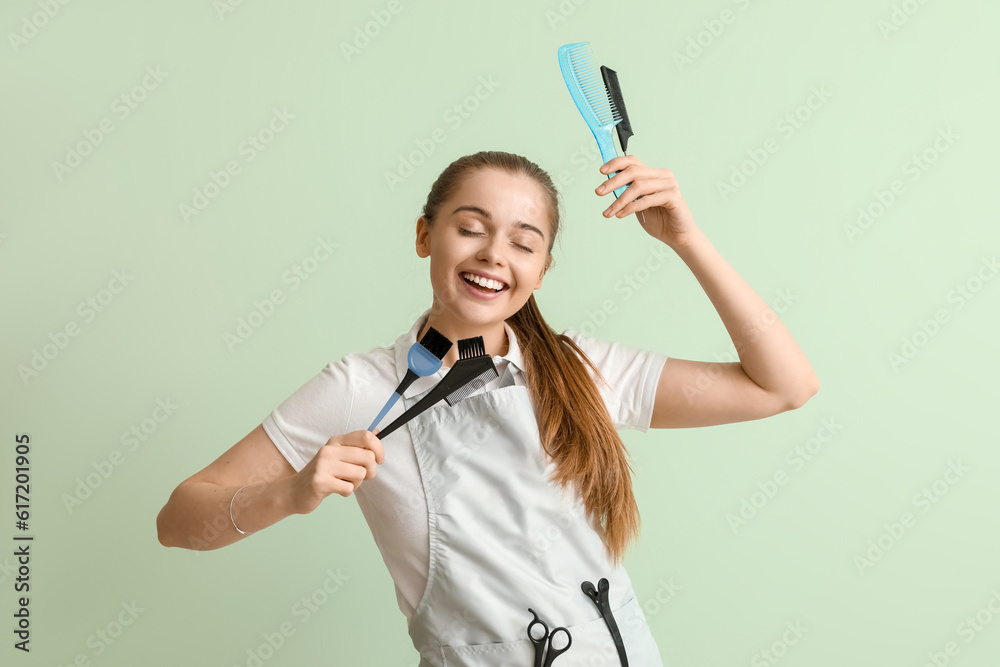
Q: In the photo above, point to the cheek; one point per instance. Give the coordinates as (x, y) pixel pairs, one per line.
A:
(527, 276)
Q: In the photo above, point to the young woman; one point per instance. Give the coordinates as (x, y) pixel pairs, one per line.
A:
(503, 508)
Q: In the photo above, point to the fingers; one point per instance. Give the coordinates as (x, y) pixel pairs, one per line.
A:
(619, 163)
(652, 179)
(358, 458)
(629, 168)
(365, 440)
(648, 201)
(341, 469)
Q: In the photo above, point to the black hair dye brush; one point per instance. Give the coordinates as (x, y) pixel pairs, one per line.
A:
(471, 372)
(623, 128)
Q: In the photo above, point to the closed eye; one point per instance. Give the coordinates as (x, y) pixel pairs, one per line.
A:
(469, 232)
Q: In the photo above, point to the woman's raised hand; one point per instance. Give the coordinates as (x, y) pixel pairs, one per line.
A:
(653, 196)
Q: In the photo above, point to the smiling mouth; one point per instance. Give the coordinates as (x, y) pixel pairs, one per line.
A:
(484, 284)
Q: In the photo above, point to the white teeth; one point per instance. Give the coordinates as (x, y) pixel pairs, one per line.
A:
(485, 282)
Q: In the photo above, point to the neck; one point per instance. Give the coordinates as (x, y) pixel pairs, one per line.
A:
(494, 336)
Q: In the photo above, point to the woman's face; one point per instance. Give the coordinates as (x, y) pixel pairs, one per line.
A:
(497, 226)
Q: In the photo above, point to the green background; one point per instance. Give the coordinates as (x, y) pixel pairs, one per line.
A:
(712, 595)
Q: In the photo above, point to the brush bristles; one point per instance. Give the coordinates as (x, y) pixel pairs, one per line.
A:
(615, 94)
(436, 343)
(592, 84)
(471, 347)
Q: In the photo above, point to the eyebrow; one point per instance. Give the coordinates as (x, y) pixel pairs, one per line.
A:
(517, 223)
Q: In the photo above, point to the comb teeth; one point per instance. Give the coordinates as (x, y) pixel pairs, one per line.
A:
(472, 386)
(588, 77)
(471, 347)
(436, 343)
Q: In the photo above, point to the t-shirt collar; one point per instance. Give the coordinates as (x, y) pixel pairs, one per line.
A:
(421, 385)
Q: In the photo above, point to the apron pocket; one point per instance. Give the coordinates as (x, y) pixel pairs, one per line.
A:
(508, 654)
(592, 645)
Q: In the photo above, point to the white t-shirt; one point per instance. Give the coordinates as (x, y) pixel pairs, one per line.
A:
(347, 395)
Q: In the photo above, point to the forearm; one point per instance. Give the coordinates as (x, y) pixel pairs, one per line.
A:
(197, 514)
(768, 353)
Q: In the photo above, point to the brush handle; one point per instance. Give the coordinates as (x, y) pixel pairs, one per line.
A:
(388, 404)
(606, 142)
(427, 401)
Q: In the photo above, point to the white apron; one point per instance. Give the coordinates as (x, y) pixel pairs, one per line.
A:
(503, 538)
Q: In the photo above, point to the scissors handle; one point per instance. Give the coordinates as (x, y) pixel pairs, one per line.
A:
(539, 642)
(553, 651)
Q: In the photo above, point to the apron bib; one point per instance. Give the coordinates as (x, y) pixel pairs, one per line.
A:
(504, 538)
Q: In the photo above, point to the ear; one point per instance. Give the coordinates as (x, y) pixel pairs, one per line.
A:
(541, 276)
(423, 242)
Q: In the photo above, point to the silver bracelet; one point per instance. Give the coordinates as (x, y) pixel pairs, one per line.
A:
(231, 510)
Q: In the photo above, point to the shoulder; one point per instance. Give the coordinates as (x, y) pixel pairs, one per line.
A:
(341, 379)
(363, 368)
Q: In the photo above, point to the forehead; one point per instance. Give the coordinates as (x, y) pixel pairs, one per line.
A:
(506, 197)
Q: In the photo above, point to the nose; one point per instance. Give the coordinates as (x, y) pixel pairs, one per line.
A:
(491, 250)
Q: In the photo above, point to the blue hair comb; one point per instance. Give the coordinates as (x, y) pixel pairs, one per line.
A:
(597, 95)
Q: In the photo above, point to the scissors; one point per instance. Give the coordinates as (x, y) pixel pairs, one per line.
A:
(546, 639)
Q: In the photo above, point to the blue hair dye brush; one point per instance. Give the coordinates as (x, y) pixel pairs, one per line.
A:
(598, 96)
(423, 359)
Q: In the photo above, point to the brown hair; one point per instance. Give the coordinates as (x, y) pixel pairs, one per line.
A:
(574, 424)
